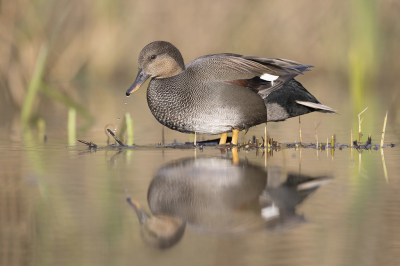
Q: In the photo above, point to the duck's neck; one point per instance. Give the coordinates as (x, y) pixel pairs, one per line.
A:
(176, 70)
(172, 68)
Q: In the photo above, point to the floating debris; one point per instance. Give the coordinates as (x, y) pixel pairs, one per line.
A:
(90, 144)
(115, 137)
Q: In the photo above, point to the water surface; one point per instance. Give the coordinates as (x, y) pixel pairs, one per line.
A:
(66, 205)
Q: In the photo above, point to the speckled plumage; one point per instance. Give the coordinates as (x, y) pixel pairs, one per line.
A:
(214, 94)
(189, 105)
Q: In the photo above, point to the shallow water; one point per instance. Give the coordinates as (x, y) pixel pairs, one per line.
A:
(66, 205)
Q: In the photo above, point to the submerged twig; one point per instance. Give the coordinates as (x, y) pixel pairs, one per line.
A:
(357, 144)
(115, 137)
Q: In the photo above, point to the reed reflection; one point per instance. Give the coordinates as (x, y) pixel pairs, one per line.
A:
(217, 196)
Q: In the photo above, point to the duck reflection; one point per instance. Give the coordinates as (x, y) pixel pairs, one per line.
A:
(218, 196)
(280, 199)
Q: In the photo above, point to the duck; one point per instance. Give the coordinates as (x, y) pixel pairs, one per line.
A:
(221, 93)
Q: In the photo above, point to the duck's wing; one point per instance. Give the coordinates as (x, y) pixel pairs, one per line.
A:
(261, 75)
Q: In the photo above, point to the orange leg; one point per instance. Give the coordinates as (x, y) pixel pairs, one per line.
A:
(223, 138)
(235, 136)
(235, 156)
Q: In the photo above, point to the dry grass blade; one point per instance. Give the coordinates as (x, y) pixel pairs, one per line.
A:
(359, 125)
(383, 130)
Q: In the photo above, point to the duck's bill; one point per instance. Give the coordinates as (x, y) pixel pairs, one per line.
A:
(141, 214)
(140, 79)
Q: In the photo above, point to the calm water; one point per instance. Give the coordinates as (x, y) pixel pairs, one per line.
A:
(66, 205)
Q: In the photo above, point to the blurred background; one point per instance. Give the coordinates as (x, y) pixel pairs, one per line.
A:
(80, 56)
(65, 66)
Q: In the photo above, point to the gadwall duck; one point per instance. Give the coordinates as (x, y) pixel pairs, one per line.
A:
(220, 93)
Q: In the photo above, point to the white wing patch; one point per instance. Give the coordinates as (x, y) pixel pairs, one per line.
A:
(269, 212)
(312, 184)
(316, 106)
(268, 77)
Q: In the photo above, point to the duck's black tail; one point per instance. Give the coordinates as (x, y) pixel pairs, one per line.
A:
(291, 100)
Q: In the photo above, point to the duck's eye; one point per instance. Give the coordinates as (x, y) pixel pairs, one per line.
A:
(153, 56)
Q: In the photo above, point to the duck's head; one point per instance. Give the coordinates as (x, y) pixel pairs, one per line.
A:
(157, 60)
(159, 231)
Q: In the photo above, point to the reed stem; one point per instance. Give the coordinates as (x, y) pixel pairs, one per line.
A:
(34, 85)
(71, 126)
(129, 128)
